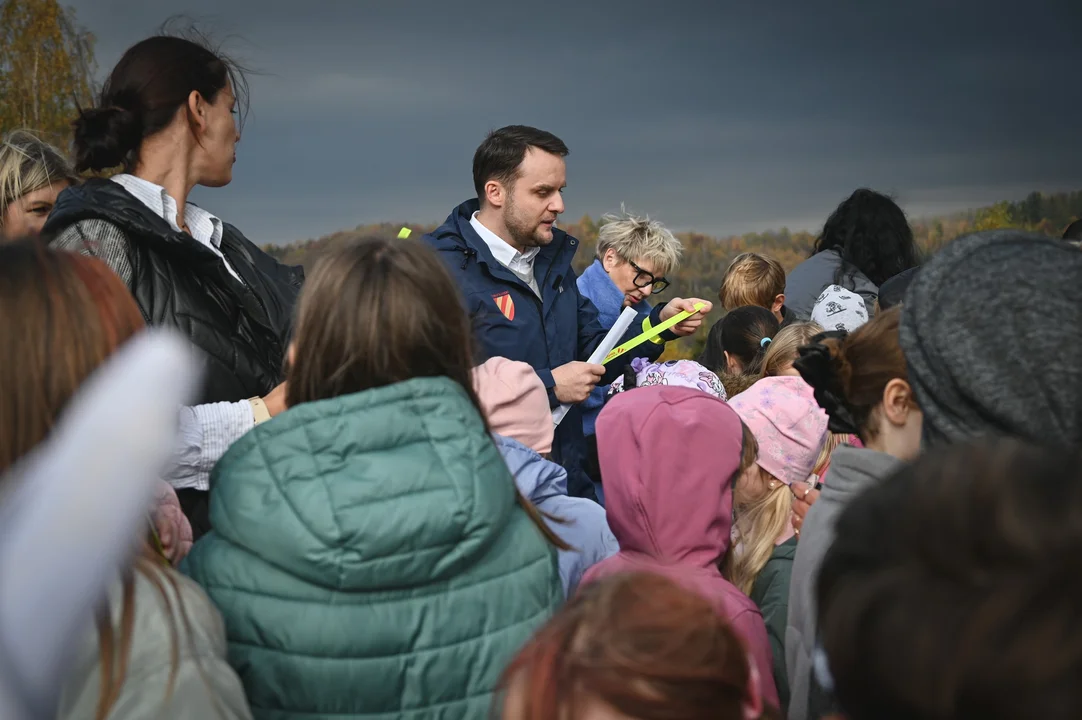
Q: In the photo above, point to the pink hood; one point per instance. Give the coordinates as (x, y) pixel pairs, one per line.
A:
(668, 455)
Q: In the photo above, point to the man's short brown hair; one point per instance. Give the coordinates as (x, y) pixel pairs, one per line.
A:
(752, 279)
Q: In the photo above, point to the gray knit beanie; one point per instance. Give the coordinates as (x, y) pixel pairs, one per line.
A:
(992, 334)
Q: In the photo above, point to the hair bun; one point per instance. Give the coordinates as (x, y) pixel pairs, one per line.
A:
(104, 137)
(819, 365)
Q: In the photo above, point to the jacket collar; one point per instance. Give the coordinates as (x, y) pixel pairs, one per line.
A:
(552, 262)
(596, 284)
(852, 470)
(102, 199)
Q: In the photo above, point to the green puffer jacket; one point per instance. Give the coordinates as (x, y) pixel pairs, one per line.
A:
(370, 560)
(771, 593)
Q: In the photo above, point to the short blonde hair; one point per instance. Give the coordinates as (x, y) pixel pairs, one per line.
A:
(28, 164)
(639, 238)
(784, 348)
(752, 279)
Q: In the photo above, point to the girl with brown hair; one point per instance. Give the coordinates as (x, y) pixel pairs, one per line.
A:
(862, 382)
(159, 650)
(370, 552)
(633, 646)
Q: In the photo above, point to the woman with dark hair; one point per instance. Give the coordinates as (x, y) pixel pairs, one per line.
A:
(865, 241)
(634, 645)
(370, 552)
(158, 648)
(167, 116)
(951, 589)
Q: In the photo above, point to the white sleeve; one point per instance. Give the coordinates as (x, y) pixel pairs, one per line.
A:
(205, 433)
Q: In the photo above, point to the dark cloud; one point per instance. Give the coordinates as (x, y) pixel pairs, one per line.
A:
(717, 116)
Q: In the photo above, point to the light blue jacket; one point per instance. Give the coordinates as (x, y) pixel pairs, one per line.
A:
(595, 284)
(585, 529)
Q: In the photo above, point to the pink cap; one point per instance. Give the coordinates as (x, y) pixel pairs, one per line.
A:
(515, 402)
(788, 424)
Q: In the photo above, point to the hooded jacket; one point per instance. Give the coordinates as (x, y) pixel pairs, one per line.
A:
(771, 594)
(370, 558)
(579, 522)
(204, 685)
(668, 455)
(808, 280)
(242, 329)
(510, 321)
(852, 470)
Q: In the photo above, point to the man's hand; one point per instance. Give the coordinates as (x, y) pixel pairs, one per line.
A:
(575, 380)
(275, 400)
(679, 305)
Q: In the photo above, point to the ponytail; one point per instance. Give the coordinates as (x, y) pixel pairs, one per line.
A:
(142, 95)
(850, 373)
(744, 333)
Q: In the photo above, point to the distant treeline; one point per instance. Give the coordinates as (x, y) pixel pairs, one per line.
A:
(706, 258)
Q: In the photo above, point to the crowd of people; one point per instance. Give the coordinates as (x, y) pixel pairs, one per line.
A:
(402, 487)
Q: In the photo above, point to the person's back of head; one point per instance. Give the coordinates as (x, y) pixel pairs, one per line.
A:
(29, 166)
(635, 645)
(374, 313)
(152, 82)
(738, 342)
(515, 402)
(862, 383)
(949, 592)
(753, 279)
(378, 312)
(1073, 231)
(871, 234)
(64, 314)
(683, 519)
(673, 373)
(785, 348)
(837, 308)
(991, 327)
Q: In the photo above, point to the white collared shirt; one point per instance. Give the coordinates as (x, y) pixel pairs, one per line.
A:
(205, 431)
(204, 227)
(521, 264)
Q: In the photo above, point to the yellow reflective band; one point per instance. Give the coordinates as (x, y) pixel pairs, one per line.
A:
(651, 334)
(404, 233)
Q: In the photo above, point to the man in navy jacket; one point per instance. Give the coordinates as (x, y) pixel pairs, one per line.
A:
(514, 269)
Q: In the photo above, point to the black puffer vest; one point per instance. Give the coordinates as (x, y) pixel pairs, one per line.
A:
(242, 329)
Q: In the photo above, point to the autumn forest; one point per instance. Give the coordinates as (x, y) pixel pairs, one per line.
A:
(706, 257)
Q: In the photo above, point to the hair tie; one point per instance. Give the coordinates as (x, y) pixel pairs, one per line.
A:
(764, 342)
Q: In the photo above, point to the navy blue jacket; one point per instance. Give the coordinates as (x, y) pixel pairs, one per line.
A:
(560, 327)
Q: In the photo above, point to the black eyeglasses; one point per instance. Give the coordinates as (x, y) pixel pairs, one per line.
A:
(646, 279)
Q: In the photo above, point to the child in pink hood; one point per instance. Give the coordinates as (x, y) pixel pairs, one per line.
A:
(669, 456)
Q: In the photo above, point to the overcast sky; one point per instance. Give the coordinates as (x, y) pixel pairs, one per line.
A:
(723, 116)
